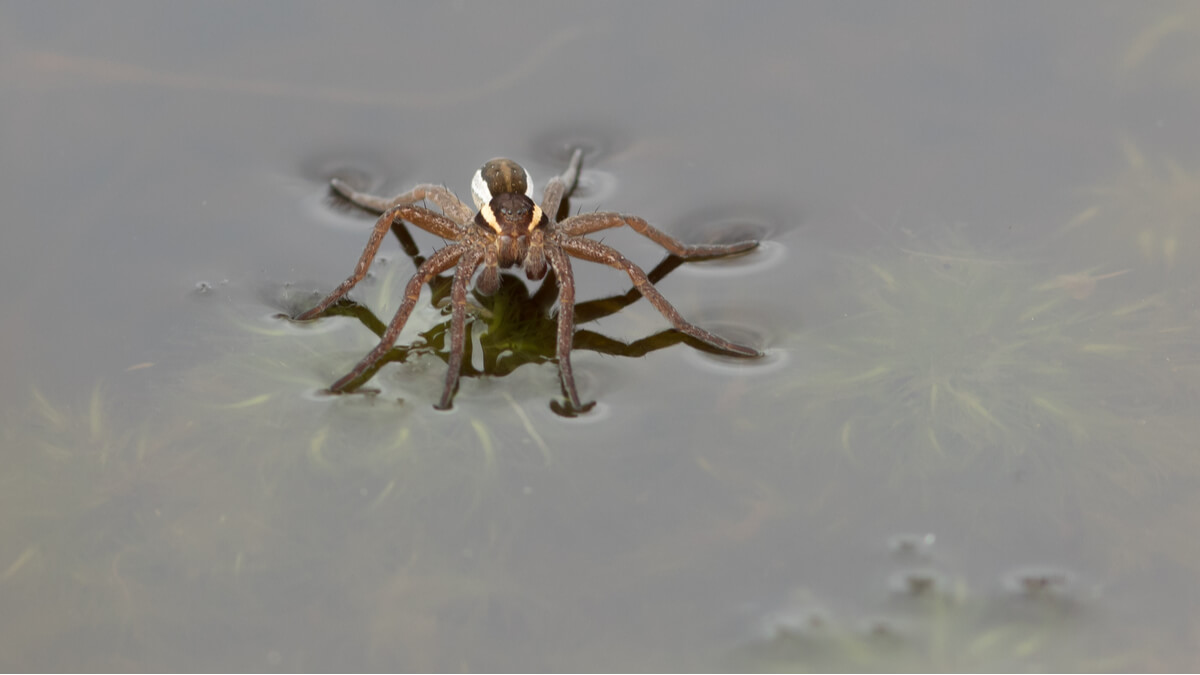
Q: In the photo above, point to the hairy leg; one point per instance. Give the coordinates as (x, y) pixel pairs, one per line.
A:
(437, 263)
(422, 217)
(594, 251)
(561, 186)
(566, 321)
(450, 204)
(587, 223)
(458, 320)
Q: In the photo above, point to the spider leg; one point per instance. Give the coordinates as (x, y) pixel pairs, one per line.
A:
(586, 312)
(419, 216)
(587, 223)
(594, 251)
(430, 221)
(560, 186)
(458, 320)
(450, 204)
(440, 261)
(561, 265)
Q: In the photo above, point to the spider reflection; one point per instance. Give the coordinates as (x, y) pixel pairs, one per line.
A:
(521, 327)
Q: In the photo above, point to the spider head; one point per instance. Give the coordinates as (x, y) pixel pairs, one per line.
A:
(515, 223)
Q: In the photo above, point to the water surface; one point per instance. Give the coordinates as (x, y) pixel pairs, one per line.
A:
(970, 445)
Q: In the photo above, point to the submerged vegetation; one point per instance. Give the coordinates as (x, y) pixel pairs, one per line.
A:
(947, 350)
(1151, 207)
(132, 529)
(933, 623)
(100, 516)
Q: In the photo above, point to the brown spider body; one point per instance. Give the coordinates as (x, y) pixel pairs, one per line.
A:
(509, 229)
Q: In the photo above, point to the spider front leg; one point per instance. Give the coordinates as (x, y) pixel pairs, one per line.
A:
(587, 223)
(419, 216)
(458, 322)
(450, 204)
(437, 263)
(561, 186)
(594, 251)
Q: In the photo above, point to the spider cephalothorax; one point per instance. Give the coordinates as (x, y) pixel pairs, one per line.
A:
(507, 230)
(519, 230)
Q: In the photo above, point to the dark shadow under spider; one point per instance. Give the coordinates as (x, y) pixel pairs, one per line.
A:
(509, 230)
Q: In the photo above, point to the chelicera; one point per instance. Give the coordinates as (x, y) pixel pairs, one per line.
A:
(508, 229)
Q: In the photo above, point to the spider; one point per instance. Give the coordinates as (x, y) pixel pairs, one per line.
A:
(509, 229)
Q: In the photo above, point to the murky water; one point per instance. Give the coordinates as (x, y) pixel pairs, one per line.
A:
(971, 444)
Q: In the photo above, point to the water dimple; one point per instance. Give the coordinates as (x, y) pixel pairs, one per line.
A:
(594, 185)
(882, 628)
(554, 147)
(363, 170)
(741, 333)
(919, 583)
(599, 411)
(911, 545)
(1039, 582)
(729, 222)
(282, 323)
(288, 299)
(808, 621)
(765, 256)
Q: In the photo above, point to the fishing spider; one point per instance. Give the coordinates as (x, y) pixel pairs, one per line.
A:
(508, 230)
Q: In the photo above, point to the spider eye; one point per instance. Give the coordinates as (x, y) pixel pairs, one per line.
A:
(497, 177)
(514, 211)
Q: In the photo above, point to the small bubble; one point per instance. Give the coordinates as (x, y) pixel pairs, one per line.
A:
(203, 288)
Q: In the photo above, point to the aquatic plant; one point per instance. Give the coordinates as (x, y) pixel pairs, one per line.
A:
(1163, 50)
(100, 519)
(1152, 207)
(943, 625)
(946, 350)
